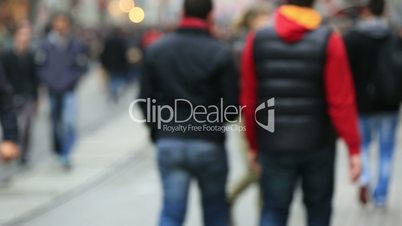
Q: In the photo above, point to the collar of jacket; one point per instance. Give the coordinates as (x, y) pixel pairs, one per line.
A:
(193, 23)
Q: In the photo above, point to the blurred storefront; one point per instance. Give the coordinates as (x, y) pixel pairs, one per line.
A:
(14, 11)
(101, 13)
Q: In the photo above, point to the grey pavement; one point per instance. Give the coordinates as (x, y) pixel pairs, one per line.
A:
(132, 197)
(105, 140)
(115, 181)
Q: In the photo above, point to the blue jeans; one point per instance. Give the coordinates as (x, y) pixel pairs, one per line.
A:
(180, 161)
(384, 127)
(116, 83)
(63, 111)
(282, 172)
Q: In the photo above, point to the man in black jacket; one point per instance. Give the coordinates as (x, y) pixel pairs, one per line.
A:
(8, 148)
(114, 60)
(189, 80)
(21, 71)
(364, 43)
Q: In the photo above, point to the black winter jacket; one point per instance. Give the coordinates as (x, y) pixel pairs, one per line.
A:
(363, 44)
(191, 65)
(7, 114)
(114, 55)
(293, 74)
(22, 73)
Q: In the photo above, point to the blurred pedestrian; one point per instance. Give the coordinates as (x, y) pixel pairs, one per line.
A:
(4, 36)
(299, 94)
(21, 71)
(186, 67)
(374, 52)
(253, 19)
(9, 149)
(114, 59)
(62, 62)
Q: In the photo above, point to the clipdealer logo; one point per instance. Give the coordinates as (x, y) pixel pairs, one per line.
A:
(269, 107)
(160, 115)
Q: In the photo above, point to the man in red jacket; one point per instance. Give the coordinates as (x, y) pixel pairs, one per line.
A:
(297, 86)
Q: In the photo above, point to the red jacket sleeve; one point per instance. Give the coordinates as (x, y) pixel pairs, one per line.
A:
(340, 94)
(248, 95)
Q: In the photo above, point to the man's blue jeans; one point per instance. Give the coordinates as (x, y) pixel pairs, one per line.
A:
(63, 111)
(281, 174)
(116, 83)
(180, 161)
(384, 127)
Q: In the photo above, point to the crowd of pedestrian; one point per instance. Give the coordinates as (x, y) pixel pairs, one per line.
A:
(54, 62)
(302, 85)
(57, 63)
(286, 74)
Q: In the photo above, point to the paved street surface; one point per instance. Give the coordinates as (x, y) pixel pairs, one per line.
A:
(115, 182)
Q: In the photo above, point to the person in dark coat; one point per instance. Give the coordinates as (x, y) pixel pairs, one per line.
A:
(377, 117)
(21, 71)
(190, 64)
(115, 61)
(298, 89)
(62, 62)
(9, 149)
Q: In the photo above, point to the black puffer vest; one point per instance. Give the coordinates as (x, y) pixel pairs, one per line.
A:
(293, 74)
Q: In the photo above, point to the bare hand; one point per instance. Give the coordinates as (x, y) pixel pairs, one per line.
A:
(355, 167)
(254, 164)
(9, 151)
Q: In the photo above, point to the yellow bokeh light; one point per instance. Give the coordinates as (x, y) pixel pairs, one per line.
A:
(137, 15)
(126, 5)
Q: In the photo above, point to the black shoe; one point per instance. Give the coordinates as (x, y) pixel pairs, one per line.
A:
(23, 162)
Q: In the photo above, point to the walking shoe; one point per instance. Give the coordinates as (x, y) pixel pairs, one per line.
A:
(364, 195)
(380, 202)
(23, 162)
(380, 205)
(66, 163)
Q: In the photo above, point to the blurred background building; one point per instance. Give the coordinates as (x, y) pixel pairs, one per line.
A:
(95, 13)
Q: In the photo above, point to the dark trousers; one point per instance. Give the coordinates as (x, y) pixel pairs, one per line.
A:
(26, 112)
(280, 177)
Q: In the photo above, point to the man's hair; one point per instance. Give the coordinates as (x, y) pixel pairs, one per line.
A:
(304, 3)
(376, 7)
(198, 8)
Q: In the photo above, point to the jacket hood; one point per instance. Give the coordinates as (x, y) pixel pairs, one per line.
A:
(293, 22)
(376, 28)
